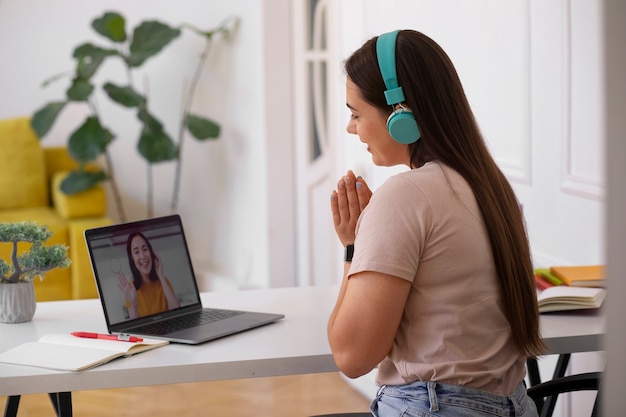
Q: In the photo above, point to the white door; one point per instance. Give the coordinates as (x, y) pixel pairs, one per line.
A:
(315, 72)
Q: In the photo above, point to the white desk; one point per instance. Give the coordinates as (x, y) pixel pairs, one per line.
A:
(574, 331)
(295, 345)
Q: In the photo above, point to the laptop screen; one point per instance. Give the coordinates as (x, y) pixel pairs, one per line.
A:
(142, 268)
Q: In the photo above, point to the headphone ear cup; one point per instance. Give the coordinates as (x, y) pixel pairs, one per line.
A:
(402, 126)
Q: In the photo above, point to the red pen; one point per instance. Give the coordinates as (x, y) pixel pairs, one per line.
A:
(119, 337)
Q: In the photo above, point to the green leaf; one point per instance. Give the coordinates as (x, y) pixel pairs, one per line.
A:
(227, 26)
(111, 25)
(80, 90)
(148, 39)
(5, 268)
(126, 96)
(41, 259)
(55, 78)
(154, 144)
(25, 231)
(89, 58)
(89, 140)
(79, 181)
(202, 128)
(45, 258)
(44, 118)
(89, 49)
(150, 122)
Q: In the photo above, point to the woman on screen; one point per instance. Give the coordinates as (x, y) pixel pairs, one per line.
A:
(150, 291)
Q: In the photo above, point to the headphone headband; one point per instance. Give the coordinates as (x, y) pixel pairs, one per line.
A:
(401, 123)
(386, 53)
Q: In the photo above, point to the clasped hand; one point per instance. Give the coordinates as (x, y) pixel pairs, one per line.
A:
(347, 203)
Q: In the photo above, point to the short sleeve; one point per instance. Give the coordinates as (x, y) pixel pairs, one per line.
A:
(393, 229)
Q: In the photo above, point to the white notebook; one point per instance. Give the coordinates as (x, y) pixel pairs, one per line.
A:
(65, 352)
(563, 297)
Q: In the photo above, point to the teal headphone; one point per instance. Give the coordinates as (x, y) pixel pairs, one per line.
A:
(401, 123)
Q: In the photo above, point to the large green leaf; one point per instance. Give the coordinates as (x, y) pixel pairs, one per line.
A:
(89, 140)
(79, 181)
(150, 122)
(80, 90)
(111, 25)
(126, 96)
(202, 128)
(89, 49)
(89, 58)
(148, 39)
(154, 144)
(44, 118)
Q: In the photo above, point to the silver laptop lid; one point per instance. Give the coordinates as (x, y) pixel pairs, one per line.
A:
(116, 263)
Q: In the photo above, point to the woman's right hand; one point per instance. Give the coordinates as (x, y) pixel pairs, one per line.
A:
(347, 203)
(127, 288)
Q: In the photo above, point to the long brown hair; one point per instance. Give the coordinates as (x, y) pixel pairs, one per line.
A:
(450, 134)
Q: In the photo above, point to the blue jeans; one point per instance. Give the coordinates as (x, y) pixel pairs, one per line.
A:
(420, 399)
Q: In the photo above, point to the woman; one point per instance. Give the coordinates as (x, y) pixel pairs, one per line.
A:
(150, 291)
(439, 291)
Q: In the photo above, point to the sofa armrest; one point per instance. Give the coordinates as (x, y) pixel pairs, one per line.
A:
(89, 203)
(83, 283)
(58, 159)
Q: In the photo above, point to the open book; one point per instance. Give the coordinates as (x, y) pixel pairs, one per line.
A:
(563, 297)
(65, 352)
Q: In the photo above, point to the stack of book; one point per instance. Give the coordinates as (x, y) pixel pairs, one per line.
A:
(570, 287)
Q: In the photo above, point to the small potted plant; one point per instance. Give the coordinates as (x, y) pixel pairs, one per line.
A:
(17, 293)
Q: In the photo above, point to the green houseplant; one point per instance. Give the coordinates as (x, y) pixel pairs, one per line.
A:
(92, 139)
(17, 295)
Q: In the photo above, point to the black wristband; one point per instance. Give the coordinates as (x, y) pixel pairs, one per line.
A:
(349, 252)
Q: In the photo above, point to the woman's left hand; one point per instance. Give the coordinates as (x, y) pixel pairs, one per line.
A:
(347, 203)
(158, 266)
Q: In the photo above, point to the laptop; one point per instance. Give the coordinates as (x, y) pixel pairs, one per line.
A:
(163, 305)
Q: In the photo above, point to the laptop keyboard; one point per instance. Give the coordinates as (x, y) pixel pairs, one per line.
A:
(187, 321)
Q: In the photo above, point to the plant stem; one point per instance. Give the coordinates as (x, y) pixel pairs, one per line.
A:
(91, 103)
(17, 271)
(150, 195)
(183, 122)
(114, 188)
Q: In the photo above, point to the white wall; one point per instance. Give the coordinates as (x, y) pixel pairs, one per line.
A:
(520, 62)
(224, 195)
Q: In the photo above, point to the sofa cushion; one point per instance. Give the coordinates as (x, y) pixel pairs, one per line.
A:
(88, 203)
(23, 182)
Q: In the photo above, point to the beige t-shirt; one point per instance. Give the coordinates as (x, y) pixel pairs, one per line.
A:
(425, 226)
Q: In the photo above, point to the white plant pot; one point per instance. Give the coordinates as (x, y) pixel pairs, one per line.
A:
(17, 302)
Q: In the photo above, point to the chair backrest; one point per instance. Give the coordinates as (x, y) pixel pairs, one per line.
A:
(545, 394)
(23, 182)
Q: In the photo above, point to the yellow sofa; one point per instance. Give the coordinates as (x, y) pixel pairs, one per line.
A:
(29, 191)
